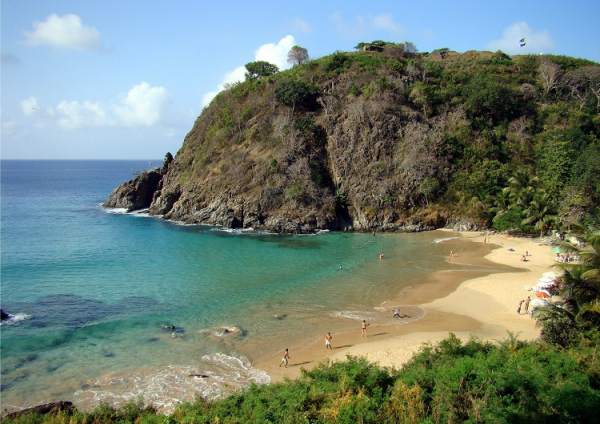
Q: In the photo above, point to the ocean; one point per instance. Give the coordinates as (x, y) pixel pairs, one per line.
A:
(108, 306)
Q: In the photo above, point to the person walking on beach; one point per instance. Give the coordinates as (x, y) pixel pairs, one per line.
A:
(328, 338)
(364, 326)
(519, 308)
(451, 255)
(286, 358)
(527, 304)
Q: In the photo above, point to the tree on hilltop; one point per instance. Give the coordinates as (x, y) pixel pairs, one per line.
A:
(260, 69)
(297, 55)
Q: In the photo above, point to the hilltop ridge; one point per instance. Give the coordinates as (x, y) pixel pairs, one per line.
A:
(387, 140)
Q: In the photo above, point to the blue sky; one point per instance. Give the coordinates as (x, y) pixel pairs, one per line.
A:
(126, 79)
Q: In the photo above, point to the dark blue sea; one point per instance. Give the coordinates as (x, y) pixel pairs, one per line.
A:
(94, 294)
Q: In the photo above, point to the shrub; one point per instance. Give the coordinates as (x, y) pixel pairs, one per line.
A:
(297, 94)
(337, 62)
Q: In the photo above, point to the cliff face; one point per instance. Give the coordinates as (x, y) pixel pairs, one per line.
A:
(355, 141)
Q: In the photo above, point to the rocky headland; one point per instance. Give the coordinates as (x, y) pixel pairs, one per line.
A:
(382, 140)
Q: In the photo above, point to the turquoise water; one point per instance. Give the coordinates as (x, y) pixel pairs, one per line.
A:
(92, 290)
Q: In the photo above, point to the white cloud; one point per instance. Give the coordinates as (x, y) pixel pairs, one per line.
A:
(270, 52)
(12, 129)
(73, 115)
(301, 26)
(386, 22)
(276, 53)
(365, 25)
(65, 32)
(536, 42)
(29, 106)
(143, 105)
(349, 30)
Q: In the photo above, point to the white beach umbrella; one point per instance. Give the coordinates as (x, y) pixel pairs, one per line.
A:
(536, 303)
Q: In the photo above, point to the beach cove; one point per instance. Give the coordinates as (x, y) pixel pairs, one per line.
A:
(468, 303)
(94, 293)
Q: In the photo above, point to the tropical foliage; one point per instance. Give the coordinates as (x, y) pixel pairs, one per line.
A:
(259, 69)
(509, 382)
(577, 311)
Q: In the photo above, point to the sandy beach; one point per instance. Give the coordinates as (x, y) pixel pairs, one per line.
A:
(465, 302)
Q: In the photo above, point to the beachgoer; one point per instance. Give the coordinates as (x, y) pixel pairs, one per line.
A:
(286, 358)
(523, 258)
(395, 314)
(519, 308)
(526, 253)
(364, 326)
(451, 255)
(328, 338)
(527, 304)
(381, 256)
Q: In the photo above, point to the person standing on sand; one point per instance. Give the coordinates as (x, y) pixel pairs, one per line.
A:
(451, 255)
(519, 308)
(527, 304)
(364, 326)
(328, 338)
(286, 358)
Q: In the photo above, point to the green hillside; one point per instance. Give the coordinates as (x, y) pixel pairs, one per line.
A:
(395, 140)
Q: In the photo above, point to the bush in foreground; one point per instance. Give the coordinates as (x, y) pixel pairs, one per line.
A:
(475, 382)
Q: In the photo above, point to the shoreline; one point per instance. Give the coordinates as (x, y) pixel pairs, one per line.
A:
(472, 301)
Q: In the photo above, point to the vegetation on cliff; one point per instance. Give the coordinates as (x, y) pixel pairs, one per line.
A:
(404, 137)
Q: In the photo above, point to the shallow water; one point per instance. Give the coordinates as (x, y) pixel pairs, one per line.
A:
(93, 291)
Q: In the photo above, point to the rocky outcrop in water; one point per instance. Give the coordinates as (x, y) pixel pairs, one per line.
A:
(67, 408)
(139, 192)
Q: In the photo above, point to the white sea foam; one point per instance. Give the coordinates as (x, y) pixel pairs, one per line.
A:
(119, 211)
(15, 319)
(236, 230)
(355, 315)
(216, 376)
(441, 240)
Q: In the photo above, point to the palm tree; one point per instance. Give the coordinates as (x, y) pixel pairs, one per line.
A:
(541, 213)
(578, 289)
(521, 187)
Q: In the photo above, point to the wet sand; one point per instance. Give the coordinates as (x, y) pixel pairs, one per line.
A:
(479, 296)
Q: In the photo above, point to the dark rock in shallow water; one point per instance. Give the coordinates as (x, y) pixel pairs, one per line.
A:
(135, 194)
(3, 315)
(141, 191)
(173, 329)
(47, 408)
(153, 340)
